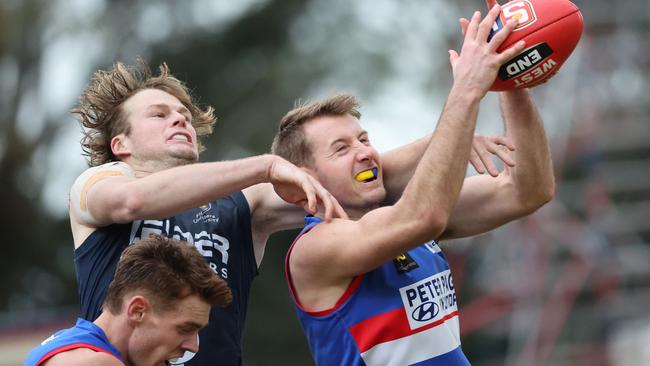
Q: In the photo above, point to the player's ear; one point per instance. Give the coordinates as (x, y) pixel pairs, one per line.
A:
(137, 307)
(120, 146)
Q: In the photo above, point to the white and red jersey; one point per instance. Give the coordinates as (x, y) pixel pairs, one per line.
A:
(402, 313)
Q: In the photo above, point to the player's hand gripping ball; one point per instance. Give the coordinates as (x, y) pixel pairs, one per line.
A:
(551, 29)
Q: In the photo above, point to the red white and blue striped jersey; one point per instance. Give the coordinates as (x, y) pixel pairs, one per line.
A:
(402, 313)
(83, 335)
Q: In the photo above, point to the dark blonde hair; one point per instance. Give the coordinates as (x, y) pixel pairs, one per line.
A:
(102, 116)
(167, 271)
(290, 141)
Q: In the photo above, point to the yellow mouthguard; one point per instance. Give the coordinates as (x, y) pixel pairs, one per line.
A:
(366, 174)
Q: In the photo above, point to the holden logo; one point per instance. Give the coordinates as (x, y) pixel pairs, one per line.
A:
(426, 311)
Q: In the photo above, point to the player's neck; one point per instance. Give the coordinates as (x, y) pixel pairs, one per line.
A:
(354, 213)
(116, 331)
(144, 168)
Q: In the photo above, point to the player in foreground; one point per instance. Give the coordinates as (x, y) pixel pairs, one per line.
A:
(376, 289)
(159, 299)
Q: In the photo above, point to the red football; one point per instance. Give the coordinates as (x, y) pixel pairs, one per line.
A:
(551, 29)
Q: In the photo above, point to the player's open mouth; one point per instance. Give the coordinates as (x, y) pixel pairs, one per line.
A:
(366, 176)
(172, 360)
(179, 136)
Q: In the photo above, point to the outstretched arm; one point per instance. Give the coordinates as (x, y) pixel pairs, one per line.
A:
(399, 164)
(422, 212)
(486, 203)
(110, 196)
(534, 180)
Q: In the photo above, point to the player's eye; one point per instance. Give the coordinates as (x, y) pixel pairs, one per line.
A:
(185, 330)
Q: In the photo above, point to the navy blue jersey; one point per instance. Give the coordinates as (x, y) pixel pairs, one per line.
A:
(220, 231)
(83, 335)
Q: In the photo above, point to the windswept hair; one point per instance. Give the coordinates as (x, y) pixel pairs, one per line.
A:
(166, 271)
(102, 116)
(290, 141)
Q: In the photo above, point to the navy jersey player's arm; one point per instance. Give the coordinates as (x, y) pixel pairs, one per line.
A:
(324, 260)
(111, 196)
(486, 203)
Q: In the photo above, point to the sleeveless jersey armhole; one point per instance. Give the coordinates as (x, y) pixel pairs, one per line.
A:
(244, 214)
(71, 347)
(349, 291)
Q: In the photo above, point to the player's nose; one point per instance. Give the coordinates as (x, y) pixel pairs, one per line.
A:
(363, 152)
(179, 119)
(191, 344)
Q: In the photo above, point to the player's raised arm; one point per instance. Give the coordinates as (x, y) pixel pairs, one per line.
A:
(421, 214)
(485, 204)
(398, 165)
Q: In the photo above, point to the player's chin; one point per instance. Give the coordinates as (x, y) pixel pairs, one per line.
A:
(373, 185)
(185, 156)
(373, 194)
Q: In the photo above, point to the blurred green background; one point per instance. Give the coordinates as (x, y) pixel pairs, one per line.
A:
(569, 285)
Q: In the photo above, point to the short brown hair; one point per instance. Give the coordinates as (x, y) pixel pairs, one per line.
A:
(167, 270)
(102, 116)
(290, 142)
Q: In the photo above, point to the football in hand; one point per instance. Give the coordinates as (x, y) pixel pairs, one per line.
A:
(551, 30)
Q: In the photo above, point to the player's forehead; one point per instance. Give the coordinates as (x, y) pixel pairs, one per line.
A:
(324, 131)
(190, 310)
(152, 98)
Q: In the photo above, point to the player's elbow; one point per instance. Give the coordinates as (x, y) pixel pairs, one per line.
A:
(533, 201)
(427, 219)
(431, 225)
(547, 194)
(129, 207)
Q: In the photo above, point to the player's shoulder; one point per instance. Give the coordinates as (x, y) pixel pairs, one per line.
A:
(83, 356)
(320, 232)
(96, 173)
(78, 192)
(113, 168)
